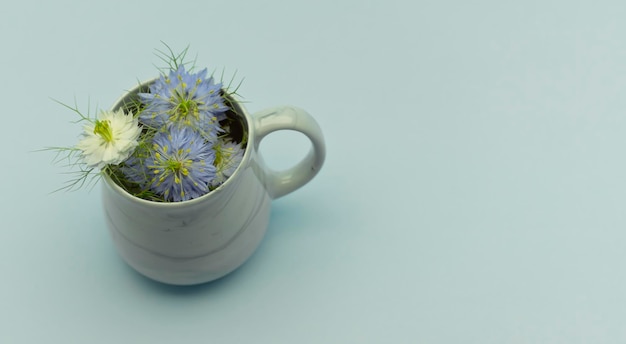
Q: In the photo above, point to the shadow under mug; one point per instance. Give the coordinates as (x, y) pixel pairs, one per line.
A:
(203, 239)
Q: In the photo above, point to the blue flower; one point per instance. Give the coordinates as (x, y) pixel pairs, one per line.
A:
(228, 156)
(185, 100)
(180, 165)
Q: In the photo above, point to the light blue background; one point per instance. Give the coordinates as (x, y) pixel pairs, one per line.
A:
(473, 192)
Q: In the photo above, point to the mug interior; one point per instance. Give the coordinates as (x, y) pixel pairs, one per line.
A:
(237, 121)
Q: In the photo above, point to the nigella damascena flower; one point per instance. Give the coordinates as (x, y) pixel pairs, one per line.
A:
(185, 100)
(180, 166)
(228, 156)
(110, 139)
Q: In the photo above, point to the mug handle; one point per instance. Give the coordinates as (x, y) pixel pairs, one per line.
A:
(280, 183)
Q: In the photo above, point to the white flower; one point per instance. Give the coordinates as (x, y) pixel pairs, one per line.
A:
(110, 139)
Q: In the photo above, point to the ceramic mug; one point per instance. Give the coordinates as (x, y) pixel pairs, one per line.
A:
(202, 239)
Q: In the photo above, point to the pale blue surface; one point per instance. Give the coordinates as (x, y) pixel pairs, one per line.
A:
(474, 189)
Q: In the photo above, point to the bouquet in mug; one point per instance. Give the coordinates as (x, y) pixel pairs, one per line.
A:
(176, 140)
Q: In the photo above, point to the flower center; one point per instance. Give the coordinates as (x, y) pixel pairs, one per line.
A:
(103, 129)
(218, 156)
(178, 167)
(185, 107)
(171, 166)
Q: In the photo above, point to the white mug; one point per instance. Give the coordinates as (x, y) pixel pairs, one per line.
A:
(202, 239)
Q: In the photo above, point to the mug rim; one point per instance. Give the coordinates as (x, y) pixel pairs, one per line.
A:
(240, 109)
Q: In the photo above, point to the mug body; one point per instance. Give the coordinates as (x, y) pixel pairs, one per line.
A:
(195, 241)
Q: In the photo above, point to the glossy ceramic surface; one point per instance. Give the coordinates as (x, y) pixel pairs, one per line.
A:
(203, 239)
